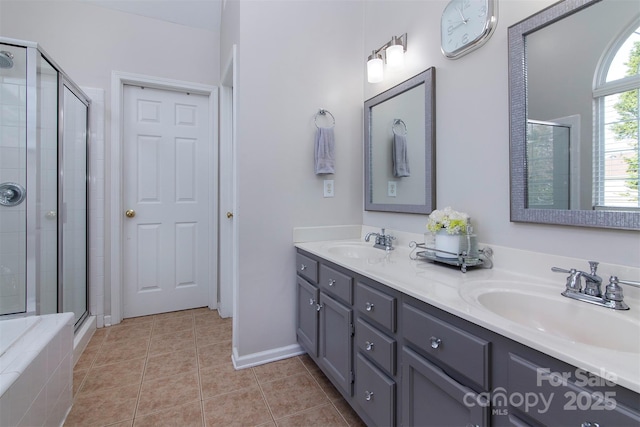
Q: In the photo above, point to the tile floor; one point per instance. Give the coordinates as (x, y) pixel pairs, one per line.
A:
(174, 369)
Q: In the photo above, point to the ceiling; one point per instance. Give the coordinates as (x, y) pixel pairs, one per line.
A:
(204, 14)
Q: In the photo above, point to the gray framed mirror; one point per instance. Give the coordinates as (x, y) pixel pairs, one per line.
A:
(399, 137)
(571, 161)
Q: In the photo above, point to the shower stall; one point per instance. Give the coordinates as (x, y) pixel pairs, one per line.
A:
(44, 143)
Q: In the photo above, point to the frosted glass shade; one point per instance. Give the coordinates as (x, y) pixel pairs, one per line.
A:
(375, 70)
(395, 56)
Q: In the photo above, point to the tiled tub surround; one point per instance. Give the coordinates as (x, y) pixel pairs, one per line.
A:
(176, 369)
(441, 287)
(36, 370)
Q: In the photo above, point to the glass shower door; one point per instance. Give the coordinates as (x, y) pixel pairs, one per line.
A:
(13, 179)
(74, 206)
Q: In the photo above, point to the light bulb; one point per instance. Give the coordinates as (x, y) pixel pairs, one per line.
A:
(395, 56)
(375, 68)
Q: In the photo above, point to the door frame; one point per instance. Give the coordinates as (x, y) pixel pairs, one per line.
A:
(113, 175)
(228, 103)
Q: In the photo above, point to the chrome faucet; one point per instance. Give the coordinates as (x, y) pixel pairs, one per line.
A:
(383, 241)
(592, 291)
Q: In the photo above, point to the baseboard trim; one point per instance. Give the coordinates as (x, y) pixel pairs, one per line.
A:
(260, 358)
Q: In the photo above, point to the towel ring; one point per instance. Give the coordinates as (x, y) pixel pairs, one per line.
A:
(398, 122)
(323, 112)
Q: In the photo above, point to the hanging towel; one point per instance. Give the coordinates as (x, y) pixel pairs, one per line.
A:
(399, 156)
(324, 151)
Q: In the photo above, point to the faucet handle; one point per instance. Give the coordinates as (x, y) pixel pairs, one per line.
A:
(382, 231)
(563, 270)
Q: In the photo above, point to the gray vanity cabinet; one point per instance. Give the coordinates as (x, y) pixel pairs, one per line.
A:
(400, 361)
(325, 319)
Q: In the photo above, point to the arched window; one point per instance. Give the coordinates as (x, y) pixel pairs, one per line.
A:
(617, 83)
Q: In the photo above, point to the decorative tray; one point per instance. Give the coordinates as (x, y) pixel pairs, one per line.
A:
(482, 257)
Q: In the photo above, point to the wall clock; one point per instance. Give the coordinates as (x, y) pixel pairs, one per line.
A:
(466, 25)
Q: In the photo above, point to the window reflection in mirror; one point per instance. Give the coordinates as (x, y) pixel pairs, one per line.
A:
(596, 166)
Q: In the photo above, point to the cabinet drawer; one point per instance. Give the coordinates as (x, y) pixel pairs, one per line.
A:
(375, 393)
(307, 268)
(466, 353)
(565, 402)
(336, 283)
(377, 346)
(376, 305)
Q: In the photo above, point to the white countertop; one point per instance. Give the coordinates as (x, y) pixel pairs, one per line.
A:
(446, 288)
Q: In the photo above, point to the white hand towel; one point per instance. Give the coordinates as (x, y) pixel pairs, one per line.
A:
(324, 151)
(399, 156)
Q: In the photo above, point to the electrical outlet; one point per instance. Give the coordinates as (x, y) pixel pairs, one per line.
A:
(328, 188)
(391, 189)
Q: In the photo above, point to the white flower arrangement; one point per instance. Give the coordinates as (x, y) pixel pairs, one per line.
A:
(453, 221)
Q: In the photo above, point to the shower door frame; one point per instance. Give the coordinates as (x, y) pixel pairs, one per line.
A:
(31, 272)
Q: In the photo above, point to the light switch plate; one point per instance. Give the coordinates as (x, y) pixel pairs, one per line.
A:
(391, 189)
(328, 188)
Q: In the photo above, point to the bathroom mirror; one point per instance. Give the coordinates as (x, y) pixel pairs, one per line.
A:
(565, 79)
(401, 119)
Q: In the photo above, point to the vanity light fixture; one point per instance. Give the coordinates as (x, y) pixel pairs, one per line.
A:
(393, 53)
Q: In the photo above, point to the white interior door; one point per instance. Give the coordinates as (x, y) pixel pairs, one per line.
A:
(166, 194)
(228, 211)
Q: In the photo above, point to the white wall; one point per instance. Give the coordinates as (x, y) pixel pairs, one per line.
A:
(293, 58)
(472, 126)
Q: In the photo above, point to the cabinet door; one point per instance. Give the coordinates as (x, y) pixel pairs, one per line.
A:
(432, 398)
(336, 342)
(375, 393)
(307, 317)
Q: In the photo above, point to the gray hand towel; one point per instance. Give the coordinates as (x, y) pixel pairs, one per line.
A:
(399, 156)
(324, 151)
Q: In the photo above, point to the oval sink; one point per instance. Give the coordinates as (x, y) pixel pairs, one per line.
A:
(575, 321)
(357, 251)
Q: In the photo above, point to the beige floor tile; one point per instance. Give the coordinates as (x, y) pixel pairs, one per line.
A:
(280, 369)
(214, 354)
(173, 341)
(348, 413)
(289, 395)
(172, 324)
(127, 423)
(206, 335)
(103, 407)
(164, 365)
(114, 375)
(189, 415)
(168, 392)
(124, 332)
(225, 379)
(78, 378)
(211, 319)
(86, 359)
(137, 320)
(121, 350)
(324, 383)
(243, 408)
(173, 314)
(323, 416)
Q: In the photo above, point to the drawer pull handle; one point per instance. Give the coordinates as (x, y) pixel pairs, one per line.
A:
(590, 424)
(368, 346)
(435, 342)
(319, 307)
(368, 395)
(303, 267)
(311, 301)
(332, 282)
(368, 306)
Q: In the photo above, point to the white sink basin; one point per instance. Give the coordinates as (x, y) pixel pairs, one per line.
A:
(547, 311)
(356, 250)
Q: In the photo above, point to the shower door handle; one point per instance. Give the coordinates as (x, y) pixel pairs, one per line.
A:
(130, 213)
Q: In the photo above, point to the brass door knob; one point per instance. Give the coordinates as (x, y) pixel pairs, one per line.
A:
(130, 213)
(229, 215)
